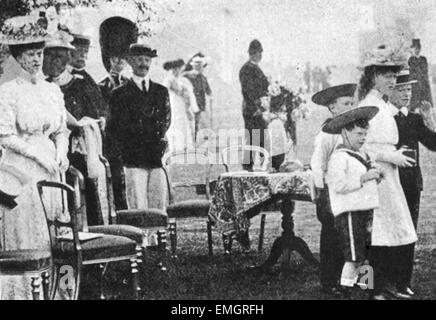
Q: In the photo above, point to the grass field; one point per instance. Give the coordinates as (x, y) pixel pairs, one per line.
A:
(195, 275)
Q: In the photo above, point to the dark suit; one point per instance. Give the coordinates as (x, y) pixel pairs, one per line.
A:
(139, 121)
(412, 131)
(93, 90)
(254, 85)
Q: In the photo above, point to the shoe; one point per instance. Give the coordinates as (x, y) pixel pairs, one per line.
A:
(405, 293)
(395, 293)
(379, 296)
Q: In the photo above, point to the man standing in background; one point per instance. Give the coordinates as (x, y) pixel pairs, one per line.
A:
(421, 91)
(254, 85)
(78, 62)
(202, 92)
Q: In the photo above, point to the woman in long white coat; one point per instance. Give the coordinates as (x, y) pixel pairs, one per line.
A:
(392, 224)
(181, 133)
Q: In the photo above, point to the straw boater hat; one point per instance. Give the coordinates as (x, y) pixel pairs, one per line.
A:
(22, 30)
(403, 78)
(327, 96)
(383, 56)
(81, 40)
(335, 125)
(139, 49)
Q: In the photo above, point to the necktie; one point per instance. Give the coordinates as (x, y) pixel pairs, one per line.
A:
(144, 87)
(385, 98)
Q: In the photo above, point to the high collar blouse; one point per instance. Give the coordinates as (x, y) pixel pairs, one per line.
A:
(29, 106)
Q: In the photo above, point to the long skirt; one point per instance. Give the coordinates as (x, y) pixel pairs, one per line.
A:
(25, 226)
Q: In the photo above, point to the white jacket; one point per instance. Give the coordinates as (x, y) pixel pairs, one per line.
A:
(346, 191)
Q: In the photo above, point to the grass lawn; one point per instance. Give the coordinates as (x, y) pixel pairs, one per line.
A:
(195, 275)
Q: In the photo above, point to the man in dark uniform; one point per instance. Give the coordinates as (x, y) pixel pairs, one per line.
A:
(79, 103)
(421, 90)
(116, 36)
(140, 117)
(79, 57)
(254, 85)
(412, 131)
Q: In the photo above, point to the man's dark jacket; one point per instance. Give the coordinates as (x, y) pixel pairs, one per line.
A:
(412, 131)
(254, 85)
(139, 121)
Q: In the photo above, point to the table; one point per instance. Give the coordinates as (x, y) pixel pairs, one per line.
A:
(236, 193)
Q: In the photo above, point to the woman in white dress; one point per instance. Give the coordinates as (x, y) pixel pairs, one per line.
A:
(34, 137)
(183, 107)
(392, 225)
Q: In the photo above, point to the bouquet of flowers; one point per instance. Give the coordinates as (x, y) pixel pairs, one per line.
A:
(286, 103)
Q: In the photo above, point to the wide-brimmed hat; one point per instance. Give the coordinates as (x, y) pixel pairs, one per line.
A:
(60, 39)
(416, 43)
(327, 96)
(22, 30)
(139, 49)
(336, 124)
(173, 64)
(403, 78)
(383, 56)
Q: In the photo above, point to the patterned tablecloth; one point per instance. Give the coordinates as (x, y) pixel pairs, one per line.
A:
(237, 192)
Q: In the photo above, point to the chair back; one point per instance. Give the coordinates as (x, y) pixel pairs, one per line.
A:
(187, 171)
(62, 224)
(234, 157)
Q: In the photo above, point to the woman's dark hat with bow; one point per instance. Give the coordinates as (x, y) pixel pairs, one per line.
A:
(336, 124)
(138, 49)
(116, 36)
(173, 64)
(327, 96)
(255, 47)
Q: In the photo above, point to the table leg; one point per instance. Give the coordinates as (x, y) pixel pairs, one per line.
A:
(288, 242)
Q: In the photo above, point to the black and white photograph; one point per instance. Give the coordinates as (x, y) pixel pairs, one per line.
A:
(228, 152)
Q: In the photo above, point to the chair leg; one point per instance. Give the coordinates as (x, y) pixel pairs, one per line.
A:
(161, 248)
(135, 279)
(101, 275)
(227, 242)
(261, 232)
(139, 257)
(46, 285)
(209, 237)
(36, 285)
(173, 237)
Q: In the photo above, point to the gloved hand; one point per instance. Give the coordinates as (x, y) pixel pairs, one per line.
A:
(397, 158)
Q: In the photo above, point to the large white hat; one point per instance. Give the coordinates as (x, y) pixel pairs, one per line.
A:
(383, 56)
(22, 30)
